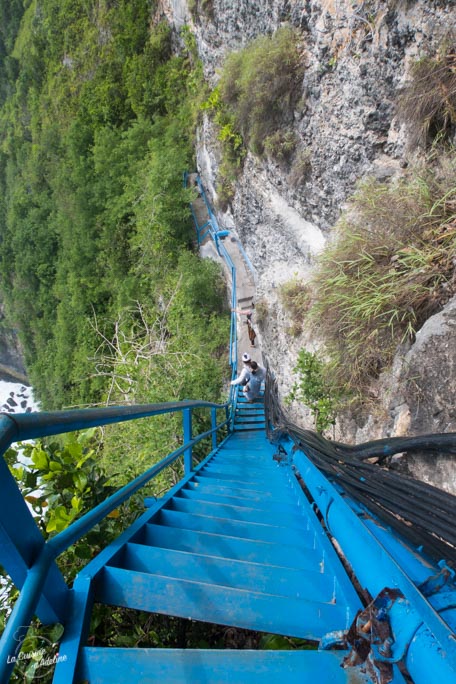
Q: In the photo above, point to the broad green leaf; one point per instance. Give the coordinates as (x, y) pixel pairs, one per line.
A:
(39, 458)
(80, 479)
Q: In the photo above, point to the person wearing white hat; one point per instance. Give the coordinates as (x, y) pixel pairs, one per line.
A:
(244, 375)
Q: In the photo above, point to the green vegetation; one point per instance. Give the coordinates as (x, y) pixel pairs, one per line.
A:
(95, 132)
(258, 85)
(261, 312)
(300, 168)
(390, 268)
(314, 389)
(295, 297)
(232, 144)
(254, 101)
(63, 479)
(281, 145)
(428, 104)
(98, 270)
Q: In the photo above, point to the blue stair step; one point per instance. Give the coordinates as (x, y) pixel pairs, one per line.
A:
(241, 426)
(224, 510)
(249, 418)
(243, 453)
(195, 600)
(238, 574)
(231, 527)
(245, 407)
(184, 666)
(217, 486)
(234, 480)
(242, 471)
(244, 456)
(242, 400)
(307, 555)
(250, 410)
(244, 466)
(249, 423)
(254, 504)
(246, 459)
(238, 545)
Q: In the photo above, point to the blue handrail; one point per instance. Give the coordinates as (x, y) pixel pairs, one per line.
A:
(34, 425)
(211, 228)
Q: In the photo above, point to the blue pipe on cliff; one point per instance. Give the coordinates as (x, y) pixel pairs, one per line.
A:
(430, 649)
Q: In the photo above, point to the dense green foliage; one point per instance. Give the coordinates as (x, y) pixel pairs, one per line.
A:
(95, 131)
(295, 297)
(61, 479)
(98, 269)
(258, 85)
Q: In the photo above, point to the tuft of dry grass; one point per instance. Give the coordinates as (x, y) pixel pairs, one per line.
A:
(428, 104)
(390, 268)
(296, 300)
(259, 85)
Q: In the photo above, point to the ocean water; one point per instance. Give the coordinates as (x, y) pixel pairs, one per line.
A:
(16, 398)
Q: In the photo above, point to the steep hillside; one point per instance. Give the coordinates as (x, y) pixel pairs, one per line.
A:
(98, 269)
(353, 113)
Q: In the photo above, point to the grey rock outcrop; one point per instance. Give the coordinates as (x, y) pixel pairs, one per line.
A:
(424, 396)
(11, 357)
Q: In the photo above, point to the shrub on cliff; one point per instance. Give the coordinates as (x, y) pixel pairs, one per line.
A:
(259, 83)
(391, 266)
(252, 105)
(428, 104)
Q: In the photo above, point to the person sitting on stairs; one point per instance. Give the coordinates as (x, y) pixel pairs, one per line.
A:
(253, 388)
(244, 375)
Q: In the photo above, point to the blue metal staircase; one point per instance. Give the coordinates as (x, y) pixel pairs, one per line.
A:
(235, 544)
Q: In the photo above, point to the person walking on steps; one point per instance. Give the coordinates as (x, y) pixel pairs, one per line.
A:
(248, 313)
(252, 389)
(244, 375)
(251, 332)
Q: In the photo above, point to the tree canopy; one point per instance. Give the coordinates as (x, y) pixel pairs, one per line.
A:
(96, 129)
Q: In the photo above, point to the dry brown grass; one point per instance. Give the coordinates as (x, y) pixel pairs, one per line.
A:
(391, 267)
(428, 105)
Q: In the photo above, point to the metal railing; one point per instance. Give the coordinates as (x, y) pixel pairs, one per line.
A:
(26, 556)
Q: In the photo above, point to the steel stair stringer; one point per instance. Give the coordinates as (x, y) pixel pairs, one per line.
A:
(235, 543)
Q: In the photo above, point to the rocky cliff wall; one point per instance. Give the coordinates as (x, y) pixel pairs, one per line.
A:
(11, 357)
(357, 56)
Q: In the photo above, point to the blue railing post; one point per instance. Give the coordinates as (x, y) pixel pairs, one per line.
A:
(213, 426)
(23, 611)
(187, 422)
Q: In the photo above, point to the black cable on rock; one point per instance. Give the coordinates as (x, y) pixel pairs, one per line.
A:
(423, 514)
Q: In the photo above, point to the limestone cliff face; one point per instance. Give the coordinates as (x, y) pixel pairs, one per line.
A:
(357, 56)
